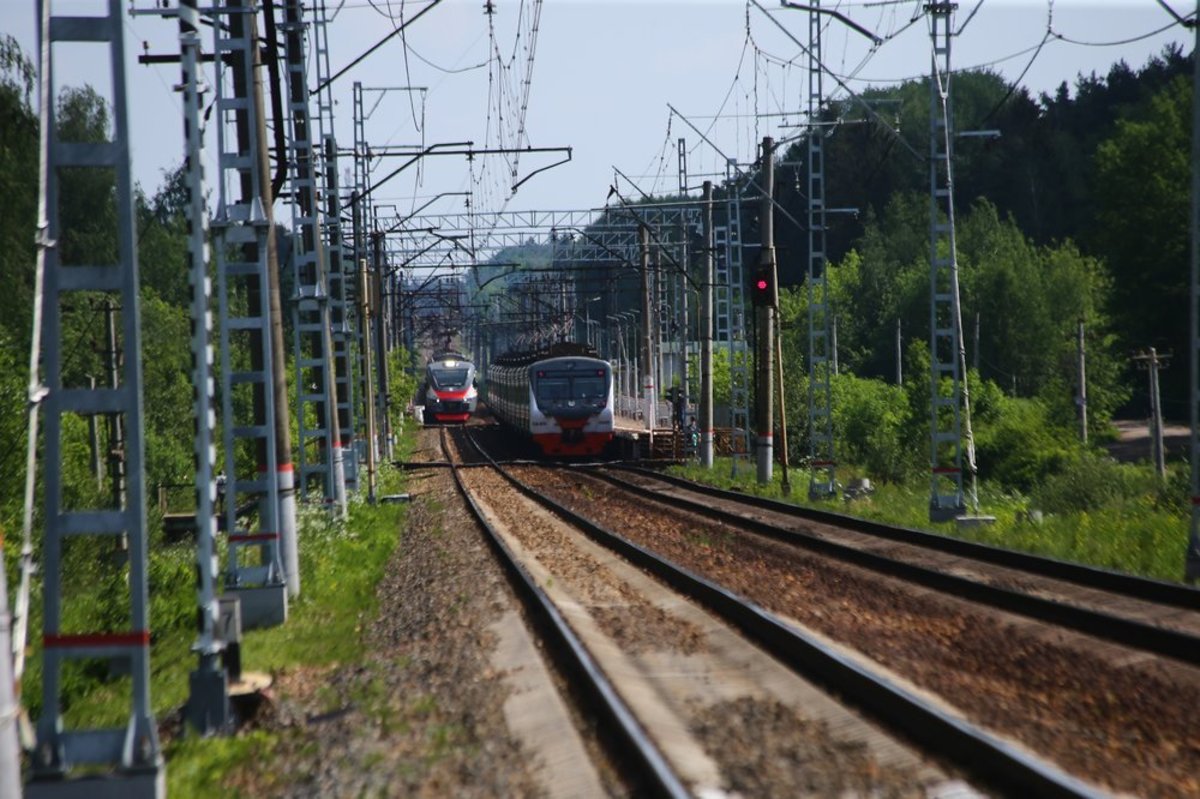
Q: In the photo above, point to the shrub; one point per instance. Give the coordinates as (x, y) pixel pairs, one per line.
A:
(1016, 443)
(1089, 482)
(870, 418)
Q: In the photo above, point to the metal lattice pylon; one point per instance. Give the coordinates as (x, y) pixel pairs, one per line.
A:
(208, 698)
(133, 750)
(946, 452)
(739, 347)
(823, 481)
(316, 399)
(241, 229)
(341, 290)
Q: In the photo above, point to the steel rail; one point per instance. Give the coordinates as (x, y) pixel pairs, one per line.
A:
(653, 768)
(994, 760)
(1126, 632)
(1128, 585)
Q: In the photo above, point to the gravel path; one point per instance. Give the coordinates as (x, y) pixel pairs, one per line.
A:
(423, 713)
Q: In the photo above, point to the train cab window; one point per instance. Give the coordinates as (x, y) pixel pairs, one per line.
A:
(553, 389)
(590, 389)
(449, 378)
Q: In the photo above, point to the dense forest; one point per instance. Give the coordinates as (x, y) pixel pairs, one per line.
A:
(1076, 211)
(1073, 208)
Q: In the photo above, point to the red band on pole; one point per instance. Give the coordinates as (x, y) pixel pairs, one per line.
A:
(135, 638)
(254, 537)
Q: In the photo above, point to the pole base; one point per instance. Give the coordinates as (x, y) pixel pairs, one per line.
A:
(262, 606)
(207, 708)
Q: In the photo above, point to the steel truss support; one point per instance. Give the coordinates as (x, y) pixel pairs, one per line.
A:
(341, 289)
(823, 480)
(133, 750)
(208, 698)
(316, 397)
(730, 316)
(945, 328)
(241, 227)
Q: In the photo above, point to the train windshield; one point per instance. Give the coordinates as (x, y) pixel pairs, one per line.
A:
(562, 388)
(449, 378)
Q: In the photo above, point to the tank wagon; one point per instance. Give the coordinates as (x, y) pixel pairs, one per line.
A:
(561, 397)
(449, 393)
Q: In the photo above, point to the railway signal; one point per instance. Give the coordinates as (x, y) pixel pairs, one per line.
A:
(763, 290)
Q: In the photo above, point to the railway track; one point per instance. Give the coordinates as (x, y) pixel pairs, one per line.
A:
(1143, 614)
(946, 742)
(1112, 712)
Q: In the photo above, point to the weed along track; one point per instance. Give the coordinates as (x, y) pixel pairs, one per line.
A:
(1110, 714)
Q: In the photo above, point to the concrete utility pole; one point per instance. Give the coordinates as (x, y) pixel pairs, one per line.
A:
(706, 334)
(365, 303)
(764, 399)
(1191, 571)
(1152, 362)
(116, 437)
(1082, 398)
(648, 396)
(384, 400)
(10, 751)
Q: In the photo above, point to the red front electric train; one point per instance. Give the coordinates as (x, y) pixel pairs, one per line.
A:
(449, 393)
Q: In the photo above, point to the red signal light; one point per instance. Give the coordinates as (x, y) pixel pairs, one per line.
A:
(761, 285)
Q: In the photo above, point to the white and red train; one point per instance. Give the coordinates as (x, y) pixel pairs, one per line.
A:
(449, 393)
(560, 397)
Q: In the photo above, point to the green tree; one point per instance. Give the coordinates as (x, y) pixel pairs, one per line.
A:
(18, 190)
(1142, 183)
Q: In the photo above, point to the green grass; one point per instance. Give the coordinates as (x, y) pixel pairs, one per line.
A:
(340, 565)
(1139, 532)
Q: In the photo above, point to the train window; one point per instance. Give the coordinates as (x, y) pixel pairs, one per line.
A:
(590, 388)
(553, 389)
(449, 378)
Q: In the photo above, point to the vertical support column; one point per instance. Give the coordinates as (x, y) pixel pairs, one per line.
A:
(648, 398)
(340, 311)
(365, 305)
(1081, 400)
(764, 389)
(131, 751)
(739, 347)
(822, 355)
(383, 400)
(241, 228)
(945, 334)
(208, 698)
(1191, 569)
(320, 447)
(706, 334)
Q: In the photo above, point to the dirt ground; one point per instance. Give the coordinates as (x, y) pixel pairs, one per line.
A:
(1133, 441)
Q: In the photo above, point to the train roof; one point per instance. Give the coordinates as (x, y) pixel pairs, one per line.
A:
(449, 356)
(561, 349)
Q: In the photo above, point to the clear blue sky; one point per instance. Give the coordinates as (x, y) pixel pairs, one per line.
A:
(605, 70)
